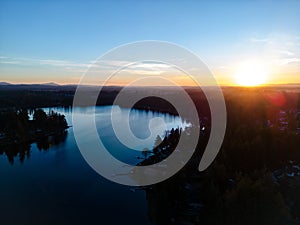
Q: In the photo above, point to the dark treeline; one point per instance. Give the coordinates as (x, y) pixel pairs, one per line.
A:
(162, 147)
(19, 98)
(17, 131)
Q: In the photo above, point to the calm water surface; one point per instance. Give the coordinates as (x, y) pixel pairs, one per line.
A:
(56, 186)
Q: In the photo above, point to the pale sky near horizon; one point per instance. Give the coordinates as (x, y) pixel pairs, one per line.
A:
(55, 41)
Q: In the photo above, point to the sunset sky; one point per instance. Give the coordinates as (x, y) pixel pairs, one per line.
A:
(55, 41)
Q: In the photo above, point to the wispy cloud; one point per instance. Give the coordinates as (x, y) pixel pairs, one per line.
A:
(63, 64)
(286, 52)
(286, 61)
(35, 62)
(276, 49)
(262, 40)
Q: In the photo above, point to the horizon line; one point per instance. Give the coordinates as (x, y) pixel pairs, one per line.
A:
(3, 83)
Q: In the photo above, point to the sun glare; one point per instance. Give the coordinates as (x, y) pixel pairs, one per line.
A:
(251, 73)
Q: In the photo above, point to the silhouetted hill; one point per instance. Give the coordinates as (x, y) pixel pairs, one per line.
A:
(51, 84)
(5, 83)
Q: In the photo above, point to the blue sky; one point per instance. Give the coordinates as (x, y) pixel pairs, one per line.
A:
(220, 32)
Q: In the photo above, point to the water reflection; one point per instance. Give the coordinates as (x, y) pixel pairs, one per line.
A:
(13, 151)
(56, 186)
(23, 150)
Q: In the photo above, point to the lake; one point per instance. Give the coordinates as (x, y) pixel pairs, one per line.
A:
(57, 186)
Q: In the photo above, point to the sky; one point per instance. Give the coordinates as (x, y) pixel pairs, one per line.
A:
(56, 41)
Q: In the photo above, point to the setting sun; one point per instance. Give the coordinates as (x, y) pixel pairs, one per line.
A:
(251, 73)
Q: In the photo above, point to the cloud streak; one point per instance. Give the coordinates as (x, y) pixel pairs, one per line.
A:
(100, 66)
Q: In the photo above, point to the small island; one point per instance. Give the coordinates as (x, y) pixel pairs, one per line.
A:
(16, 127)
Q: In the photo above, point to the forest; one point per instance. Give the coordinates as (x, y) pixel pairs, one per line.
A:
(255, 178)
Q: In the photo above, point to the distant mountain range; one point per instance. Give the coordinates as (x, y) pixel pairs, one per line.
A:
(44, 86)
(47, 84)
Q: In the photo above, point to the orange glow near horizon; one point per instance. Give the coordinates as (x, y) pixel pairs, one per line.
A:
(224, 78)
